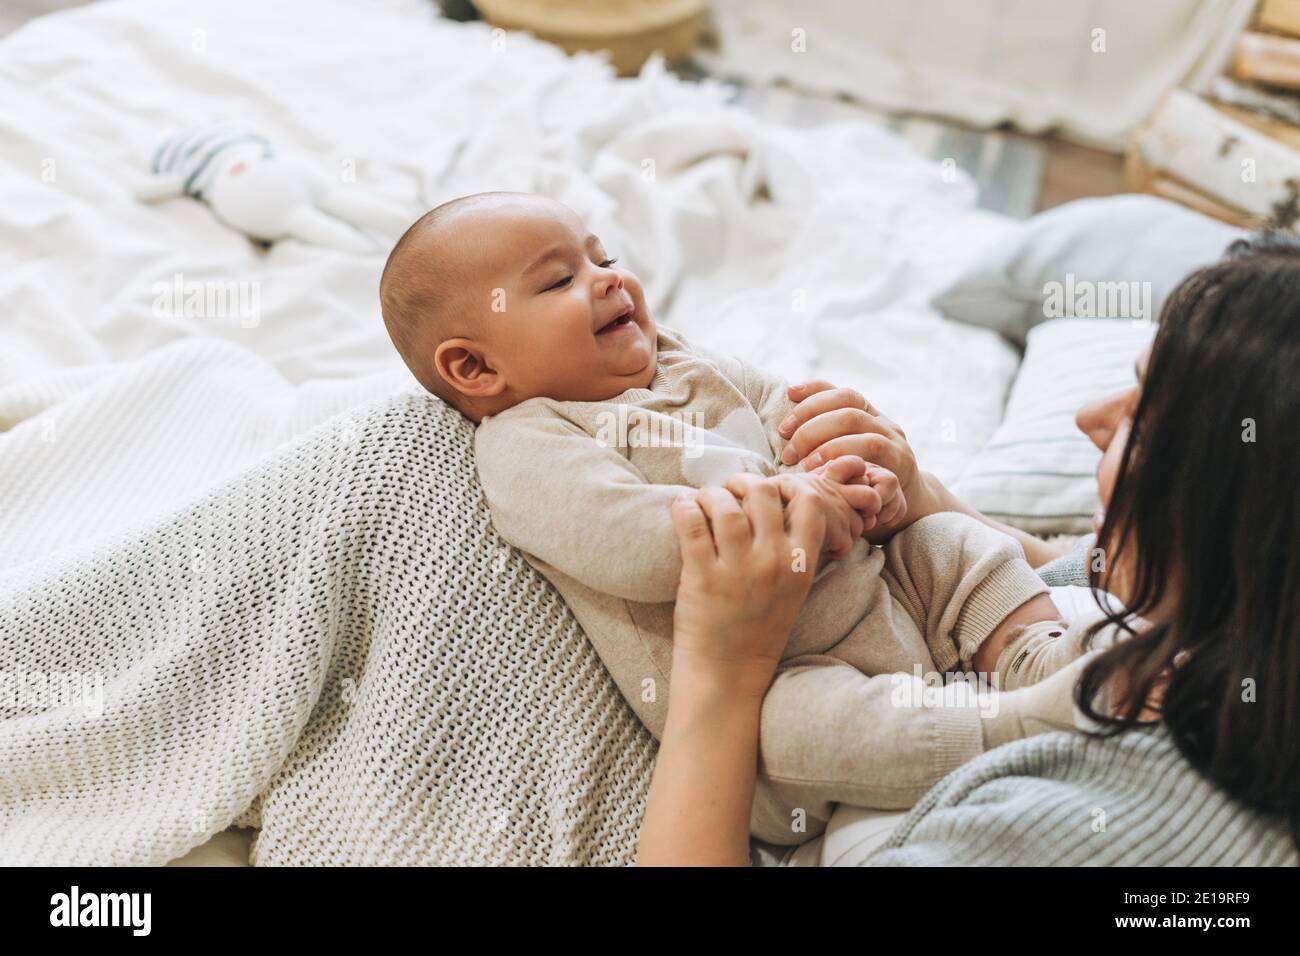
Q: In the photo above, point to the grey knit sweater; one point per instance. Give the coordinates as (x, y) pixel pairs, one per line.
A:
(1070, 568)
(1070, 799)
(1067, 799)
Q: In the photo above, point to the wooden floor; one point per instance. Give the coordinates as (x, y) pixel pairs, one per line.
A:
(1073, 172)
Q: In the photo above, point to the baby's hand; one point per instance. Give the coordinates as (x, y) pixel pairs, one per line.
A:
(841, 500)
(882, 506)
(830, 422)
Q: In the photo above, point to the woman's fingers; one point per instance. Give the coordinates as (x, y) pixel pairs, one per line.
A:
(837, 423)
(762, 500)
(818, 398)
(694, 540)
(731, 532)
(742, 483)
(762, 505)
(797, 393)
(807, 523)
(875, 448)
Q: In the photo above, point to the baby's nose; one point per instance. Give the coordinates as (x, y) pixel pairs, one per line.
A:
(612, 281)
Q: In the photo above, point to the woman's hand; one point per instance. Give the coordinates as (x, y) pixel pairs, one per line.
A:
(747, 566)
(829, 422)
(853, 495)
(745, 574)
(842, 504)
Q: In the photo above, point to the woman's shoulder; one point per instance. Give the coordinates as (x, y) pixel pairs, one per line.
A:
(1074, 799)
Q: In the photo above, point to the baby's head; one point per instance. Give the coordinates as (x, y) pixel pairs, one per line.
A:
(497, 298)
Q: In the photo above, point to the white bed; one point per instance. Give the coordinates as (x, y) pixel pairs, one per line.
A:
(813, 252)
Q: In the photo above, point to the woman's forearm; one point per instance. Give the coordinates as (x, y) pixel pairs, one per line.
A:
(702, 793)
(1037, 551)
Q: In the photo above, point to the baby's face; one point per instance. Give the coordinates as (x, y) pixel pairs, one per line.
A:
(559, 319)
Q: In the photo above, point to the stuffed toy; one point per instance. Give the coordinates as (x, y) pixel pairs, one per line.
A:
(266, 197)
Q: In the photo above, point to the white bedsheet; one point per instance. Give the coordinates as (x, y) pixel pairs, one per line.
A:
(812, 252)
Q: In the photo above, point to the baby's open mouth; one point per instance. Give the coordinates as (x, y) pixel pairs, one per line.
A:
(620, 321)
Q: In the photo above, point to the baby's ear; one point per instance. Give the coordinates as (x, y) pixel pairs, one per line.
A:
(462, 364)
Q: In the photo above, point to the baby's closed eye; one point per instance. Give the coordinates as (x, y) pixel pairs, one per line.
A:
(565, 281)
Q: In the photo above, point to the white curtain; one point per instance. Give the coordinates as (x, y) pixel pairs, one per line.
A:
(1092, 68)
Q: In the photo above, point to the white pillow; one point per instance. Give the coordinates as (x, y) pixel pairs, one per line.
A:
(1118, 239)
(1038, 471)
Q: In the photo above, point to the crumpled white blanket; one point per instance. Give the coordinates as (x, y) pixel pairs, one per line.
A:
(333, 644)
(808, 251)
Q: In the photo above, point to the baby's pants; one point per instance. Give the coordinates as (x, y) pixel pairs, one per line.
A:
(853, 724)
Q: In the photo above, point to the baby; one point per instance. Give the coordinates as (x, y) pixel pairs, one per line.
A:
(591, 421)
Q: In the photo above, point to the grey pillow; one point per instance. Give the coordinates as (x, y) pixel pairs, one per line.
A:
(1038, 471)
(1117, 257)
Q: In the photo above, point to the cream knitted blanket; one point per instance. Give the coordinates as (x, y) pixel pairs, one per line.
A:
(334, 640)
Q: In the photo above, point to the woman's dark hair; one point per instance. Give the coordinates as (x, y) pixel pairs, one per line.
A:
(1206, 511)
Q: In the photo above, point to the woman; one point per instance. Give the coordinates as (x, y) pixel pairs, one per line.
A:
(1195, 759)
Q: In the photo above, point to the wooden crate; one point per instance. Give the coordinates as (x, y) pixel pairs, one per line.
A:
(1198, 154)
(1267, 58)
(1280, 16)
